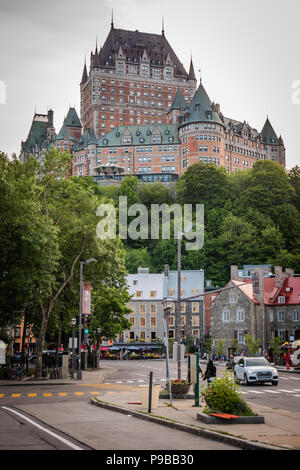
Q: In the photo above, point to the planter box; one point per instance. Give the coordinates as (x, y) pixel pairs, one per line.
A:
(240, 420)
(166, 395)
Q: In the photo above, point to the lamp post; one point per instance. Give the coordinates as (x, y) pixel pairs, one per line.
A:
(178, 306)
(98, 343)
(73, 323)
(167, 305)
(79, 373)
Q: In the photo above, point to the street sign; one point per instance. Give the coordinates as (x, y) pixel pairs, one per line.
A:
(2, 352)
(75, 343)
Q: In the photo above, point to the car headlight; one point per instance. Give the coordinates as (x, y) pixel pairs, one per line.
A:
(250, 371)
(274, 370)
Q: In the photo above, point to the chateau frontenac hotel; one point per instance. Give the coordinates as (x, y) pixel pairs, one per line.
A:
(143, 114)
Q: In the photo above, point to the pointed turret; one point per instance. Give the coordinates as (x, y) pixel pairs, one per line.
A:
(268, 134)
(192, 75)
(92, 138)
(179, 102)
(84, 74)
(201, 109)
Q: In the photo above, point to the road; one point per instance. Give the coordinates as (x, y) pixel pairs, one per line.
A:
(60, 417)
(285, 396)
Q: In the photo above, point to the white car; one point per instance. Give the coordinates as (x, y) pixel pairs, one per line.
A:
(255, 369)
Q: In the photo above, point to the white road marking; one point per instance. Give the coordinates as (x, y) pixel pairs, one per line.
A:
(286, 391)
(254, 391)
(271, 391)
(62, 439)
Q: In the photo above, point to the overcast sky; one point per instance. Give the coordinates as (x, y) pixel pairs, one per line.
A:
(248, 53)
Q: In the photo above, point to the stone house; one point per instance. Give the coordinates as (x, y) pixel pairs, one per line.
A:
(264, 306)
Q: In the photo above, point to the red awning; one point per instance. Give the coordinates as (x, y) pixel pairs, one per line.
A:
(104, 348)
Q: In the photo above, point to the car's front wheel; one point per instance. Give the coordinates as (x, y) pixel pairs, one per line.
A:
(235, 379)
(275, 382)
(246, 381)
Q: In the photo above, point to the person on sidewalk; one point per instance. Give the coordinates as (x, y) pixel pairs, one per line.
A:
(211, 371)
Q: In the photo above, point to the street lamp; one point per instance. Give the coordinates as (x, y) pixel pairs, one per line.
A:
(73, 323)
(90, 260)
(98, 343)
(167, 305)
(178, 306)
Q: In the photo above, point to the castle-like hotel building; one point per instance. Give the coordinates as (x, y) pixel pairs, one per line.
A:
(142, 114)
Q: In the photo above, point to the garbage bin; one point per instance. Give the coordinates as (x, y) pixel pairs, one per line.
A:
(144, 395)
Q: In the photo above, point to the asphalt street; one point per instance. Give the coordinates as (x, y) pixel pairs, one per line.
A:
(58, 417)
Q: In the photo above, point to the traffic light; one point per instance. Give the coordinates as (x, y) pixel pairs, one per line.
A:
(86, 330)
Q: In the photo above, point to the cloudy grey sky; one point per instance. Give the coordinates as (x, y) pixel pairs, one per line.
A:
(248, 52)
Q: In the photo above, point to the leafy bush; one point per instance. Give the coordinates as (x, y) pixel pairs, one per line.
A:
(222, 396)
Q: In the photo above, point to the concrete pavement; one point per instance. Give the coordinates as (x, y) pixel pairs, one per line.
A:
(281, 429)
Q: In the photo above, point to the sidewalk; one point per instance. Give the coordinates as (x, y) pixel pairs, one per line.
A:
(281, 429)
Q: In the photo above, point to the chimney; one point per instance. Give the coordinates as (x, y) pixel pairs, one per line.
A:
(166, 270)
(50, 117)
(289, 272)
(234, 274)
(261, 285)
(218, 108)
(279, 276)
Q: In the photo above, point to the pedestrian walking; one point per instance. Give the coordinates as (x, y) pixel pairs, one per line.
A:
(211, 371)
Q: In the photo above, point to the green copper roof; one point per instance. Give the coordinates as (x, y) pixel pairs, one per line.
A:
(37, 134)
(178, 102)
(201, 109)
(268, 134)
(141, 135)
(92, 138)
(72, 119)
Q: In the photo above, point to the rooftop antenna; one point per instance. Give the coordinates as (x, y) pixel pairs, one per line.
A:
(112, 18)
(163, 27)
(200, 76)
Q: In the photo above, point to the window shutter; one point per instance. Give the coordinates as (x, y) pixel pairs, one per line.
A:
(276, 333)
(235, 334)
(245, 332)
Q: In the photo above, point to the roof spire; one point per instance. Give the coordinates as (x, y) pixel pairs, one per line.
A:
(84, 74)
(192, 75)
(112, 19)
(200, 76)
(163, 26)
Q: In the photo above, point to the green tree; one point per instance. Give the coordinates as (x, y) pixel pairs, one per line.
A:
(252, 345)
(203, 184)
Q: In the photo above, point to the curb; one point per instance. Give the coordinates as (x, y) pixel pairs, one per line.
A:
(227, 439)
(207, 419)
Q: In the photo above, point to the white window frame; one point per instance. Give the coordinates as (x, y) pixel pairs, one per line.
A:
(225, 316)
(240, 314)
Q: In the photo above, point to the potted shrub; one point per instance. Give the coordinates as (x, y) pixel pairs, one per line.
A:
(222, 396)
(179, 387)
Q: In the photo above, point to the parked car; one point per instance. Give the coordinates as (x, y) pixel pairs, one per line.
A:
(255, 369)
(232, 362)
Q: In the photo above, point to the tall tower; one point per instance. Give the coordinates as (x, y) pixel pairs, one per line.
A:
(132, 80)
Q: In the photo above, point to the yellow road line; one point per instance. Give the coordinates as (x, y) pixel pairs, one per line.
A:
(78, 393)
(16, 395)
(32, 394)
(1, 395)
(62, 394)
(47, 394)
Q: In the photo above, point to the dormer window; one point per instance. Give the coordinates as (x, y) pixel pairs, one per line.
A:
(281, 299)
